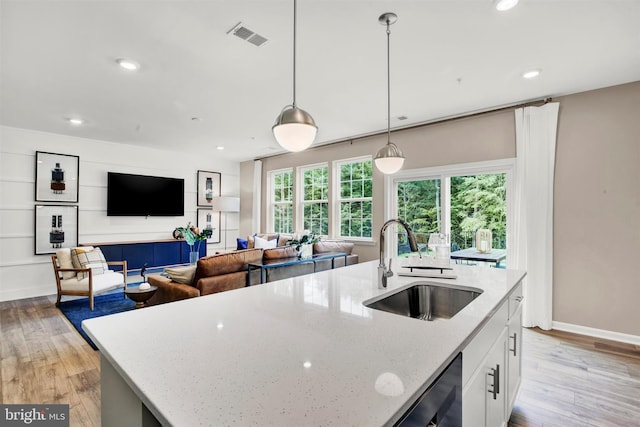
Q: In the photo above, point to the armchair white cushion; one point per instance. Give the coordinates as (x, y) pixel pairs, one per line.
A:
(86, 281)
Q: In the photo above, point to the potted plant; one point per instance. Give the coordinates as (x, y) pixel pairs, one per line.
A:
(304, 243)
(192, 234)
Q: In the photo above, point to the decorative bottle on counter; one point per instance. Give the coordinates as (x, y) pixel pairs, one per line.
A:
(57, 180)
(56, 236)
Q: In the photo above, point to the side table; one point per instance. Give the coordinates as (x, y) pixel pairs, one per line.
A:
(140, 296)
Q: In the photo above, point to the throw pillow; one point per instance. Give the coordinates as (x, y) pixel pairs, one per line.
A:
(93, 259)
(242, 243)
(181, 274)
(264, 243)
(64, 261)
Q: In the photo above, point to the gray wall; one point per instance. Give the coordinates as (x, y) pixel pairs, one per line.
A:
(488, 137)
(597, 210)
(597, 196)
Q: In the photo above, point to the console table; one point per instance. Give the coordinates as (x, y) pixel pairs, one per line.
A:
(154, 253)
(282, 262)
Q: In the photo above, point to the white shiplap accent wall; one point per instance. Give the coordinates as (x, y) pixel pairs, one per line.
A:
(23, 274)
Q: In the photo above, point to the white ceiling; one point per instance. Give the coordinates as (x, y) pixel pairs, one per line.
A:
(447, 58)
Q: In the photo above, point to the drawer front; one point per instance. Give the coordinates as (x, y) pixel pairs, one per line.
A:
(515, 299)
(477, 349)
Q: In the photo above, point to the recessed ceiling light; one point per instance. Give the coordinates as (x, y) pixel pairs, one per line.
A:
(128, 64)
(503, 5)
(75, 121)
(531, 74)
(219, 147)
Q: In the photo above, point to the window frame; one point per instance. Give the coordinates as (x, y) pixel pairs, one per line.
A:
(444, 173)
(299, 201)
(337, 199)
(272, 203)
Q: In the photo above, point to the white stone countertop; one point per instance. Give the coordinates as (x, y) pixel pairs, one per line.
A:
(298, 352)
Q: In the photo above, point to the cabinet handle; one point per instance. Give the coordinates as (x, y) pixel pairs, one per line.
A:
(495, 387)
(515, 343)
(519, 298)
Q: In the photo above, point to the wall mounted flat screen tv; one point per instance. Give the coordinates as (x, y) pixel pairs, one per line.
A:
(142, 195)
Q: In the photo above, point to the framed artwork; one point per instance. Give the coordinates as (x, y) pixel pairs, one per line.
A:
(208, 187)
(207, 218)
(57, 177)
(56, 226)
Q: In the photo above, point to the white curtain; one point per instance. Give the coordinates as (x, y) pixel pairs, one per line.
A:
(536, 129)
(257, 197)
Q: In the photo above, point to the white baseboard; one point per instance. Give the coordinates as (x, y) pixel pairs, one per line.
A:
(16, 294)
(597, 333)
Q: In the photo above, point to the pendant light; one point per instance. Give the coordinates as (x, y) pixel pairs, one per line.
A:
(295, 129)
(389, 159)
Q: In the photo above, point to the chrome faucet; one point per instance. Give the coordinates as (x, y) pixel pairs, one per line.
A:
(383, 271)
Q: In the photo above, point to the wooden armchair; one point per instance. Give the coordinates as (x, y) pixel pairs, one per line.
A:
(90, 285)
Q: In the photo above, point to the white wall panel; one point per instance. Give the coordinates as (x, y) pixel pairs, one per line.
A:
(23, 274)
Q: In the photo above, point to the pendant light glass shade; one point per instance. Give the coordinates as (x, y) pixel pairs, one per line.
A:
(295, 129)
(389, 159)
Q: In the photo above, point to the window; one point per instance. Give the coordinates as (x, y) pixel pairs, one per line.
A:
(456, 200)
(315, 199)
(478, 201)
(282, 201)
(354, 198)
(419, 205)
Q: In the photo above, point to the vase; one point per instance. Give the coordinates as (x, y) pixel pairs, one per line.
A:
(306, 251)
(193, 257)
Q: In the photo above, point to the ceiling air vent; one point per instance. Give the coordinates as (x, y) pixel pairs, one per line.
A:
(244, 33)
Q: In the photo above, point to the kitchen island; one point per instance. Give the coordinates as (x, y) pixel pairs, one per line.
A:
(300, 351)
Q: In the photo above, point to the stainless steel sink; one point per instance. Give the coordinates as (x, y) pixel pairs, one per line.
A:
(426, 301)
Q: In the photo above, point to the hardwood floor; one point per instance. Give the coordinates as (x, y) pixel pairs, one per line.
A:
(572, 380)
(568, 380)
(45, 360)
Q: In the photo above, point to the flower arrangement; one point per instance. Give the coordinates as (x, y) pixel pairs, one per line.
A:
(192, 234)
(304, 238)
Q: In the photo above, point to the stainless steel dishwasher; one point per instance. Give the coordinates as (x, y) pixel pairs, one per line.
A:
(441, 404)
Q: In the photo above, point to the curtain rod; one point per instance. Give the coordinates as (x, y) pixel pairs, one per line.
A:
(533, 103)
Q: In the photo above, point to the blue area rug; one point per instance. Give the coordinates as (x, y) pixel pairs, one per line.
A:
(78, 310)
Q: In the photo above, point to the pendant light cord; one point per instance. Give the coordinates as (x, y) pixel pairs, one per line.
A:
(388, 84)
(294, 51)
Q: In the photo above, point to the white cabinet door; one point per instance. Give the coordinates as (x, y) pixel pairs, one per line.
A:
(474, 400)
(514, 359)
(495, 395)
(484, 396)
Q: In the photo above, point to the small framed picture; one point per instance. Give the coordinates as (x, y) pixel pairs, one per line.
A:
(57, 177)
(209, 220)
(56, 227)
(208, 187)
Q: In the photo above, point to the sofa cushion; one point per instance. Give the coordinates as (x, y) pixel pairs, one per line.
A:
(221, 283)
(267, 236)
(333, 246)
(259, 242)
(286, 272)
(225, 263)
(280, 252)
(241, 243)
(64, 260)
(169, 291)
(89, 258)
(183, 275)
(101, 282)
